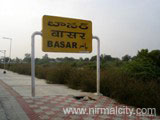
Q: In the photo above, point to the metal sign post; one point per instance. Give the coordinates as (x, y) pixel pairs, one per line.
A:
(33, 61)
(98, 64)
(9, 48)
(4, 51)
(65, 35)
(4, 62)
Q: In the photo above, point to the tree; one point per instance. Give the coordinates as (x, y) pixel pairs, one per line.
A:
(67, 59)
(106, 57)
(143, 53)
(81, 59)
(155, 56)
(93, 58)
(145, 65)
(16, 60)
(126, 58)
(86, 59)
(45, 57)
(27, 58)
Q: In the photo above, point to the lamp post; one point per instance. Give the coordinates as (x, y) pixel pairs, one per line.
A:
(10, 47)
(4, 51)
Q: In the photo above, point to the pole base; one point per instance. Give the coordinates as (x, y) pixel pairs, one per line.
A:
(98, 94)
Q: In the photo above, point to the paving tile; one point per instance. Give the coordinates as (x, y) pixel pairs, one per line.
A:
(38, 110)
(33, 106)
(44, 117)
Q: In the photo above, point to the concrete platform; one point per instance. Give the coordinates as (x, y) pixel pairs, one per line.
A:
(10, 109)
(22, 85)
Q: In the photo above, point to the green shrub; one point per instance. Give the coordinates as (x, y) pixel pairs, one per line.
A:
(88, 82)
(116, 84)
(41, 72)
(75, 79)
(58, 75)
(83, 79)
(21, 68)
(142, 69)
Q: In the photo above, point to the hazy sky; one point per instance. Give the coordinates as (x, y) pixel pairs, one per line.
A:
(123, 26)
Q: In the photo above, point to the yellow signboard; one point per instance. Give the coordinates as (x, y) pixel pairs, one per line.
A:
(66, 35)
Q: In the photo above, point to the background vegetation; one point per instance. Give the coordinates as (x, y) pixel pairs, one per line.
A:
(131, 80)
